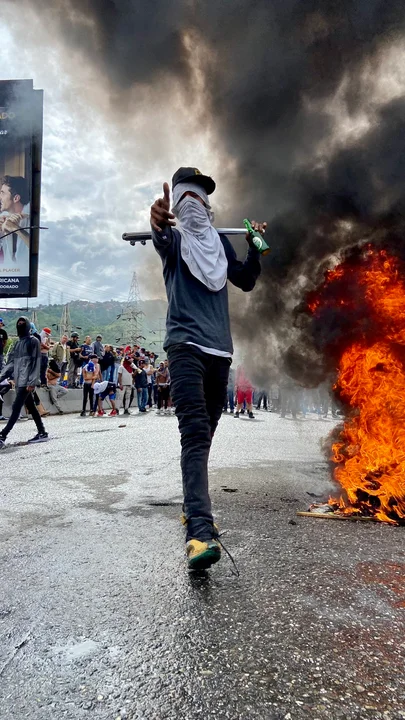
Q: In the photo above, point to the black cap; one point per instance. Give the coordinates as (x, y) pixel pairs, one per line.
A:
(190, 174)
(74, 334)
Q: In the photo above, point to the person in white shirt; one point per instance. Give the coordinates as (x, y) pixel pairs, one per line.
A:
(102, 390)
(125, 382)
(150, 371)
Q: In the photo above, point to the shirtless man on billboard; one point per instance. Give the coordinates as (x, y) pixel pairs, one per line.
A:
(15, 216)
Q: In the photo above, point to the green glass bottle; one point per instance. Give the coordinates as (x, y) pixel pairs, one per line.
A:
(257, 239)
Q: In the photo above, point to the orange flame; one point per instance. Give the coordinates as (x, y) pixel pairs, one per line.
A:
(369, 453)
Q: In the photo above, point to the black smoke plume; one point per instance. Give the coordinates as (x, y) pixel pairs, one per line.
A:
(297, 94)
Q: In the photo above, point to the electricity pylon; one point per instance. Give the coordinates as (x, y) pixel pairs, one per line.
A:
(65, 322)
(132, 316)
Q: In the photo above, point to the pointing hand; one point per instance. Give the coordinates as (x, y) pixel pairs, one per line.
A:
(160, 215)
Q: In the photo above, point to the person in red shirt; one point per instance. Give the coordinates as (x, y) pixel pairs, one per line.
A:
(244, 392)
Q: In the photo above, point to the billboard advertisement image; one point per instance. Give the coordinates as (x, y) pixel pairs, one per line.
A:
(20, 184)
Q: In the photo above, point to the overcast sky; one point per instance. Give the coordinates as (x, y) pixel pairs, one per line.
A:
(103, 164)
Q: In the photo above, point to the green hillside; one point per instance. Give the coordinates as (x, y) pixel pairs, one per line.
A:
(93, 318)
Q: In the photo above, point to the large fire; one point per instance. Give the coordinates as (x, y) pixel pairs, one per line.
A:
(362, 304)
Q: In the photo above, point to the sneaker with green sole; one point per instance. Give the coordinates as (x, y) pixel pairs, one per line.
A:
(202, 554)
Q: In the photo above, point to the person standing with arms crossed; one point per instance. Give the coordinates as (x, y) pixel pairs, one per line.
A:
(197, 262)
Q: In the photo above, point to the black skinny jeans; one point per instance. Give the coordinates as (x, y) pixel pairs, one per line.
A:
(198, 387)
(88, 392)
(44, 365)
(261, 396)
(23, 397)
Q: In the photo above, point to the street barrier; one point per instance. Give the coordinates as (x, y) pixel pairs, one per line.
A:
(70, 403)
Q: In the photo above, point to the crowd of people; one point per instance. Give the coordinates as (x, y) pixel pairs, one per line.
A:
(282, 396)
(102, 371)
(125, 374)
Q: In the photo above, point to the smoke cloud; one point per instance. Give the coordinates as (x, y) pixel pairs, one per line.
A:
(307, 101)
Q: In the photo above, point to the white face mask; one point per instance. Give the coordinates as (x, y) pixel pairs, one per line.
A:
(193, 216)
(201, 247)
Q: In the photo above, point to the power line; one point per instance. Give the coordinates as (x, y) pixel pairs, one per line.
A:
(70, 286)
(50, 291)
(70, 283)
(65, 281)
(63, 278)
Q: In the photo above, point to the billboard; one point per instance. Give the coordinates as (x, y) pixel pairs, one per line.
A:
(21, 113)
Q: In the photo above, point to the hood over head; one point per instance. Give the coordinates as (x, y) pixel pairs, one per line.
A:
(23, 326)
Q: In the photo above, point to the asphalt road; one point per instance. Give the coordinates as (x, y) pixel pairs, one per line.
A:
(99, 617)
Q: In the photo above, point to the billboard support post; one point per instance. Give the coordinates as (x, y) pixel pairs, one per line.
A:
(36, 190)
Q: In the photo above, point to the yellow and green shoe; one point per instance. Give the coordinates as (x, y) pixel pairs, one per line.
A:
(202, 554)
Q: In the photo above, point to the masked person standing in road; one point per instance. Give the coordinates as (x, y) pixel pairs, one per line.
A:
(197, 262)
(24, 365)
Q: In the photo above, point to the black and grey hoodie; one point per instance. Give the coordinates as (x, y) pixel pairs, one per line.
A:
(24, 359)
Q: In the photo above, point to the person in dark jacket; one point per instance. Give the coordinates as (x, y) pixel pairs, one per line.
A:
(107, 363)
(141, 384)
(98, 347)
(197, 262)
(24, 365)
